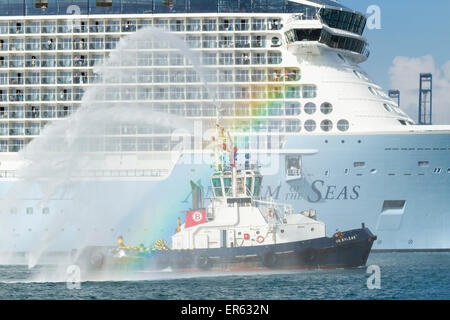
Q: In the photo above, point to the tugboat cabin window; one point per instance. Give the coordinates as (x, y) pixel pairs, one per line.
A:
(240, 185)
(257, 188)
(293, 166)
(227, 185)
(217, 187)
(248, 186)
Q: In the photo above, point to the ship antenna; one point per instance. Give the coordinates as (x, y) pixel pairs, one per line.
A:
(224, 143)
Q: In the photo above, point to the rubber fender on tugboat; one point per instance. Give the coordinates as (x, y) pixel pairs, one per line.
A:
(269, 259)
(203, 262)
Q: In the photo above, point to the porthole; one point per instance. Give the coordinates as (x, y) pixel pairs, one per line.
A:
(29, 210)
(343, 125)
(310, 108)
(388, 109)
(45, 210)
(326, 108)
(310, 125)
(326, 125)
(373, 171)
(357, 74)
(341, 57)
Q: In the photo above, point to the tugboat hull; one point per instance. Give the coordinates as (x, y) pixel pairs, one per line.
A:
(348, 250)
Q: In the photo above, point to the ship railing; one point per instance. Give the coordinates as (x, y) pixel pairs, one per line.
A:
(303, 17)
(131, 25)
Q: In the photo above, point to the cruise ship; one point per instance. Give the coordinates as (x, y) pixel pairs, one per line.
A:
(287, 79)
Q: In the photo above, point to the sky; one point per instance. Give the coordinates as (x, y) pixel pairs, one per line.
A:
(414, 37)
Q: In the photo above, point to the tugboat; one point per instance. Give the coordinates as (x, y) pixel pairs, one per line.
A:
(239, 231)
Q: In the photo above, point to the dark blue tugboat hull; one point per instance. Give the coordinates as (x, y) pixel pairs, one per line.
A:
(351, 249)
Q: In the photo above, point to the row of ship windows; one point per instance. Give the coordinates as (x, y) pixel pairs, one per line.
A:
(36, 112)
(275, 125)
(347, 171)
(131, 25)
(109, 43)
(151, 76)
(140, 60)
(244, 125)
(422, 164)
(29, 210)
(189, 110)
(162, 93)
(143, 144)
(114, 7)
(48, 94)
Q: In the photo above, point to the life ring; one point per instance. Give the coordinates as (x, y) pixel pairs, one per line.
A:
(260, 239)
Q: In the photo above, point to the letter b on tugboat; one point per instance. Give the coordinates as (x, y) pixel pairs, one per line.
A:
(374, 280)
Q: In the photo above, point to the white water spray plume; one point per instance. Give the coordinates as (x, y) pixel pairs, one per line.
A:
(93, 138)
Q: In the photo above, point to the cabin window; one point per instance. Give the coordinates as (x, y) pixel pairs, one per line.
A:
(257, 187)
(293, 166)
(240, 185)
(248, 186)
(388, 108)
(372, 91)
(29, 210)
(227, 184)
(217, 186)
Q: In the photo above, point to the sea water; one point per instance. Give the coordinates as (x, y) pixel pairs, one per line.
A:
(402, 276)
